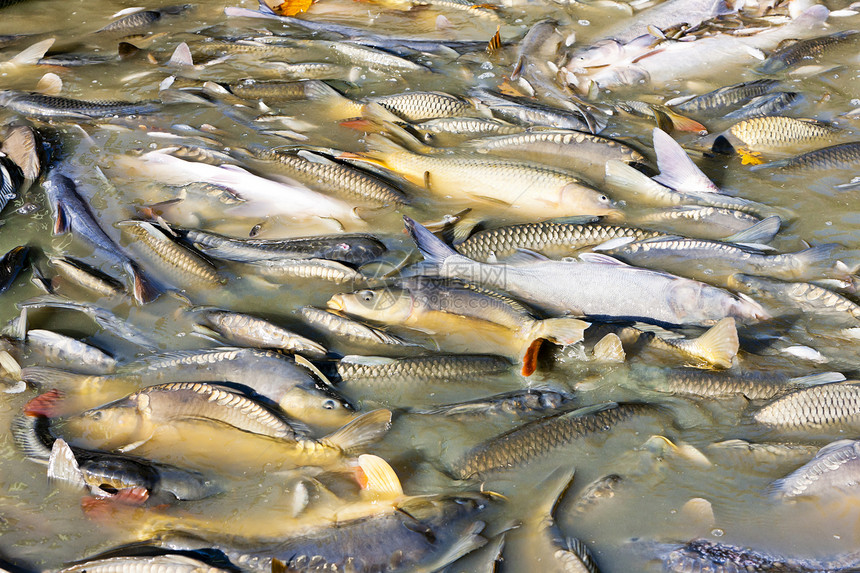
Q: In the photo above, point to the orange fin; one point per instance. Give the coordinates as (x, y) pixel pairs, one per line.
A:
(530, 357)
(46, 405)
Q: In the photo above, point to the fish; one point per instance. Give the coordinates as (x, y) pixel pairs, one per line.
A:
(101, 316)
(523, 111)
(725, 98)
(595, 286)
(447, 131)
(716, 557)
(831, 473)
(765, 105)
(793, 53)
(385, 531)
(151, 419)
(841, 156)
(417, 106)
(11, 264)
(324, 174)
(105, 473)
(73, 214)
(752, 386)
(826, 407)
(614, 63)
(280, 91)
(27, 57)
(353, 332)
(742, 451)
(702, 222)
(83, 275)
(47, 107)
(811, 299)
(553, 240)
(716, 348)
(452, 316)
(136, 417)
(281, 271)
(176, 265)
(515, 404)
(777, 133)
(139, 21)
(248, 330)
(354, 249)
(58, 348)
(170, 563)
(381, 372)
(581, 153)
(262, 197)
(542, 438)
(667, 15)
(529, 189)
(267, 373)
(716, 261)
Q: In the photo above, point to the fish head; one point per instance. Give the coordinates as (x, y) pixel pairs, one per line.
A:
(316, 405)
(385, 305)
(578, 200)
(746, 283)
(440, 510)
(110, 426)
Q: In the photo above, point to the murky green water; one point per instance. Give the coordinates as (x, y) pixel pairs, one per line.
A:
(43, 525)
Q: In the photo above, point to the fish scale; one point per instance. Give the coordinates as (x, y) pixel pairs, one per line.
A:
(842, 156)
(726, 97)
(234, 409)
(334, 178)
(827, 406)
(524, 444)
(547, 238)
(46, 106)
(420, 106)
(421, 369)
(762, 133)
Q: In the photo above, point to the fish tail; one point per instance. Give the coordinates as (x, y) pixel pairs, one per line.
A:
(717, 346)
(609, 349)
(622, 177)
(360, 431)
(434, 250)
(815, 257)
(762, 232)
(23, 148)
(562, 331)
(818, 378)
(27, 438)
(143, 287)
(379, 147)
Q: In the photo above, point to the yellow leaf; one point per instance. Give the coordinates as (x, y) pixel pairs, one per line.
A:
(749, 157)
(289, 7)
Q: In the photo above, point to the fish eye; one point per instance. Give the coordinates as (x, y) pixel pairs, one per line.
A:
(367, 295)
(329, 404)
(97, 415)
(604, 199)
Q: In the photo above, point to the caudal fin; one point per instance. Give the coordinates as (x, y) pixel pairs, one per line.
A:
(609, 349)
(361, 431)
(33, 54)
(718, 346)
(432, 248)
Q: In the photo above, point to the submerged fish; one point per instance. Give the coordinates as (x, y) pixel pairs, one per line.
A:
(381, 373)
(812, 49)
(724, 98)
(833, 472)
(43, 106)
(842, 156)
(350, 330)
(540, 438)
(597, 286)
(826, 407)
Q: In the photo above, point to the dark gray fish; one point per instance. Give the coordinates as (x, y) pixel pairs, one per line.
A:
(140, 21)
(107, 472)
(11, 180)
(518, 403)
(381, 373)
(103, 317)
(725, 98)
(11, 264)
(72, 213)
(843, 156)
(425, 534)
(519, 447)
(354, 249)
(522, 111)
(595, 492)
(812, 49)
(701, 555)
(42, 106)
(764, 105)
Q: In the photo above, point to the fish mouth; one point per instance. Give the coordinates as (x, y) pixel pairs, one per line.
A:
(614, 215)
(336, 303)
